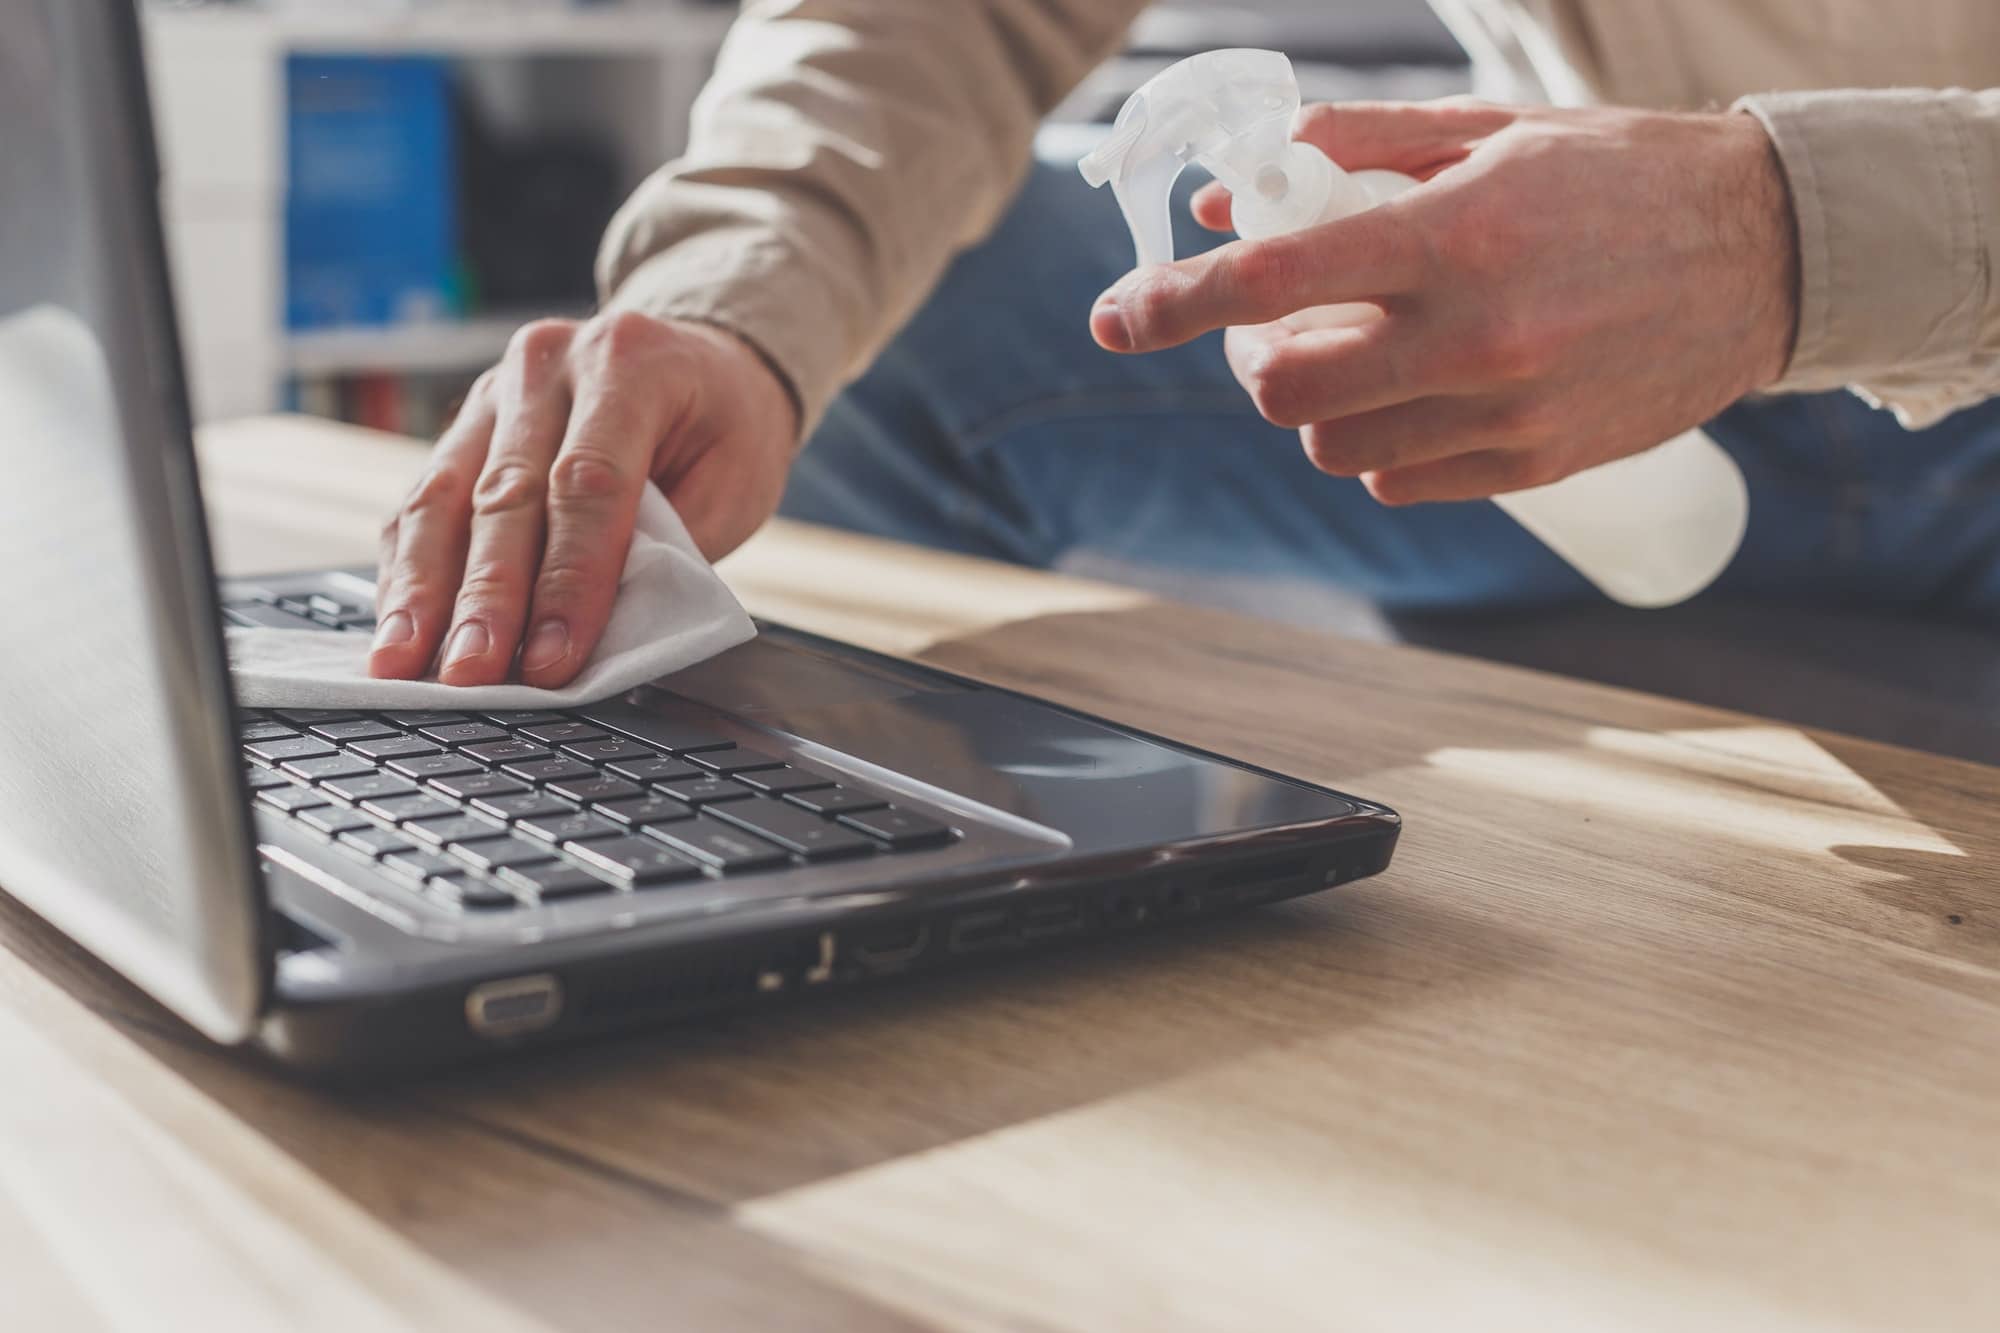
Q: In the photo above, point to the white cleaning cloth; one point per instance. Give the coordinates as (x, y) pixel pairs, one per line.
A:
(672, 612)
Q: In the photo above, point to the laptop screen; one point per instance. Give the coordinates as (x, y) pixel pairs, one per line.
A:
(120, 817)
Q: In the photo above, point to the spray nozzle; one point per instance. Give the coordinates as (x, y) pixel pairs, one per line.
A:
(1232, 112)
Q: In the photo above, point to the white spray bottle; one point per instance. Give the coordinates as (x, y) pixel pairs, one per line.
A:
(1648, 530)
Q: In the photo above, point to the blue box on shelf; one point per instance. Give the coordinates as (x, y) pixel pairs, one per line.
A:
(370, 208)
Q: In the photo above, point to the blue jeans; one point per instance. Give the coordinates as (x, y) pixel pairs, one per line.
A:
(993, 425)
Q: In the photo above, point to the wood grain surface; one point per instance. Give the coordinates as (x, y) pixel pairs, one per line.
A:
(1663, 1018)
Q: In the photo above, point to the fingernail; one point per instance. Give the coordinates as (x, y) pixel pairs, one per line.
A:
(397, 629)
(1107, 321)
(548, 645)
(470, 640)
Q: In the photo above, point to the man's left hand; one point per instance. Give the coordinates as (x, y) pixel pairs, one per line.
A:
(1565, 288)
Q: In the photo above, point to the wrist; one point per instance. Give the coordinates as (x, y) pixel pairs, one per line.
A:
(754, 375)
(1763, 242)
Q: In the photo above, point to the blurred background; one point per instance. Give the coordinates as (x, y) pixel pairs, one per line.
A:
(364, 198)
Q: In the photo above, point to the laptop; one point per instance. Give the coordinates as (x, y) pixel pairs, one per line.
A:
(351, 891)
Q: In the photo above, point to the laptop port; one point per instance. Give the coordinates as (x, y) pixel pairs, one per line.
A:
(976, 932)
(889, 948)
(1125, 909)
(1051, 920)
(515, 1006)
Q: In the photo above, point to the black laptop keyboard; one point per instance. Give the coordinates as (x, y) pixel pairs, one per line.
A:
(496, 811)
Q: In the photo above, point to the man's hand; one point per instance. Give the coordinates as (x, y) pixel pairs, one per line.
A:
(515, 538)
(1567, 287)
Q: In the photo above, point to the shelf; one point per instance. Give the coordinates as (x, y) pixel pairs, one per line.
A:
(434, 346)
(455, 28)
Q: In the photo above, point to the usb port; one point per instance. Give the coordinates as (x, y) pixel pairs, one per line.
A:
(1049, 920)
(515, 1006)
(976, 932)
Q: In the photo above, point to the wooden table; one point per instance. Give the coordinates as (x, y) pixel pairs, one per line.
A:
(1664, 1018)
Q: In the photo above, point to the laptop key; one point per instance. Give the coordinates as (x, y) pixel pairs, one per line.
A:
(427, 766)
(463, 733)
(487, 855)
(649, 809)
(794, 830)
(594, 788)
(706, 791)
(418, 864)
(418, 718)
(522, 805)
(452, 828)
(718, 845)
(308, 717)
(376, 841)
(291, 798)
(250, 615)
(573, 826)
(354, 729)
(898, 828)
(562, 733)
(784, 778)
(332, 820)
(551, 880)
(370, 786)
(835, 800)
(327, 767)
(514, 719)
(289, 747)
(267, 731)
(417, 805)
(662, 768)
(264, 779)
(473, 785)
(511, 750)
(393, 746)
(728, 763)
(609, 748)
(634, 860)
(642, 724)
(467, 890)
(549, 770)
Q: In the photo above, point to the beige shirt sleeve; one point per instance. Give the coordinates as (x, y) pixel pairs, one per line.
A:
(842, 153)
(1897, 195)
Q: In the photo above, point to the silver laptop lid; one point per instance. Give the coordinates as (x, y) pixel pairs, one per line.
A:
(121, 814)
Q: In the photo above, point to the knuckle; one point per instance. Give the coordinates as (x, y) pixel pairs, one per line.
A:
(1529, 468)
(508, 488)
(439, 492)
(565, 582)
(418, 587)
(540, 341)
(1322, 449)
(486, 587)
(1149, 308)
(1511, 350)
(625, 333)
(1280, 386)
(1525, 421)
(586, 475)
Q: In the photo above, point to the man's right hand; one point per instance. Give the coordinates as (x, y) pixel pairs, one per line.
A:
(513, 541)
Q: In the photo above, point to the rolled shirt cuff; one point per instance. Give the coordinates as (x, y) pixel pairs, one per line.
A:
(1895, 296)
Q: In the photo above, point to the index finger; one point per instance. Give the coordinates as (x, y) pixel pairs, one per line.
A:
(594, 489)
(1371, 256)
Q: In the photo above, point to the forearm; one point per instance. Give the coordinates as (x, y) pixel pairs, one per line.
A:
(844, 151)
(1897, 200)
